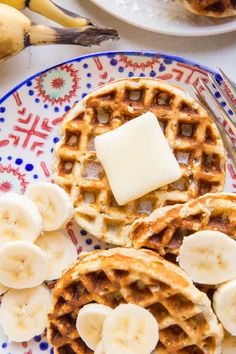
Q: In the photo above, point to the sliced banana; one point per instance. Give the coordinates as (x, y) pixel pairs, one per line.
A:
(60, 251)
(224, 303)
(130, 329)
(23, 265)
(3, 289)
(209, 257)
(53, 203)
(229, 344)
(90, 323)
(99, 348)
(19, 219)
(23, 313)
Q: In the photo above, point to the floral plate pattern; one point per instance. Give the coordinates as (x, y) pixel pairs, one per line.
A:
(31, 113)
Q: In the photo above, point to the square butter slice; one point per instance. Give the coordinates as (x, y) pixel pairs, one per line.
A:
(137, 158)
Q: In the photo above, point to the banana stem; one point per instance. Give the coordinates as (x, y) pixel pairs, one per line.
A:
(86, 37)
(57, 14)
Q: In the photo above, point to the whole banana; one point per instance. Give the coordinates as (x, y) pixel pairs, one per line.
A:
(50, 10)
(18, 32)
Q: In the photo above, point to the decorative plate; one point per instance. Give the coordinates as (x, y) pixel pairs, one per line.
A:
(164, 16)
(31, 113)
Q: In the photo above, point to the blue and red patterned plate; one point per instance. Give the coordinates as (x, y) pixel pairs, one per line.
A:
(31, 113)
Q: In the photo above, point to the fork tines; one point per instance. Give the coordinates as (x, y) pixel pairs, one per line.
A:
(228, 82)
(225, 137)
(225, 115)
(222, 92)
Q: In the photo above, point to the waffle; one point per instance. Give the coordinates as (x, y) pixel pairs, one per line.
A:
(212, 8)
(189, 129)
(121, 275)
(165, 228)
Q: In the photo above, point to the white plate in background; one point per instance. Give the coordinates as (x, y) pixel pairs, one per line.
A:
(164, 16)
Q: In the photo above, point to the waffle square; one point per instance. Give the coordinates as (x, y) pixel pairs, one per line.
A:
(191, 134)
(164, 230)
(186, 321)
(213, 8)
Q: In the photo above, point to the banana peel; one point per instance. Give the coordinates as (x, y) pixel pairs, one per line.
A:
(50, 10)
(18, 32)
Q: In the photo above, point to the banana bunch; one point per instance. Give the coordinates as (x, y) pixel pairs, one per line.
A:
(18, 32)
(50, 10)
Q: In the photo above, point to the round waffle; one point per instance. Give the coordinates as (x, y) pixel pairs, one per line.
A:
(186, 321)
(213, 8)
(188, 128)
(165, 228)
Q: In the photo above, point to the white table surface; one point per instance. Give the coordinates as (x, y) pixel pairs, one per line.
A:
(218, 51)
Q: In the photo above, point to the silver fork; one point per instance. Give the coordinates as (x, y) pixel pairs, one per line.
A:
(201, 98)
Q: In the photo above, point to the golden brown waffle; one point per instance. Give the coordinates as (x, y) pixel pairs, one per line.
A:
(187, 322)
(213, 8)
(191, 134)
(165, 228)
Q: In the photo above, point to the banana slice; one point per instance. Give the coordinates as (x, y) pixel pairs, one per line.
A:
(130, 329)
(224, 301)
(23, 313)
(99, 348)
(23, 265)
(19, 219)
(53, 203)
(209, 257)
(228, 344)
(3, 289)
(60, 251)
(90, 323)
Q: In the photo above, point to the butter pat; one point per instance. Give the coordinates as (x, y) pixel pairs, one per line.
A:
(137, 158)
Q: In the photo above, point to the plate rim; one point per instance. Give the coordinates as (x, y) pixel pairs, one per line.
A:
(169, 33)
(145, 53)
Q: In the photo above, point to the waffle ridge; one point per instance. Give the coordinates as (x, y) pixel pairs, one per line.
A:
(186, 321)
(164, 229)
(188, 128)
(213, 8)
